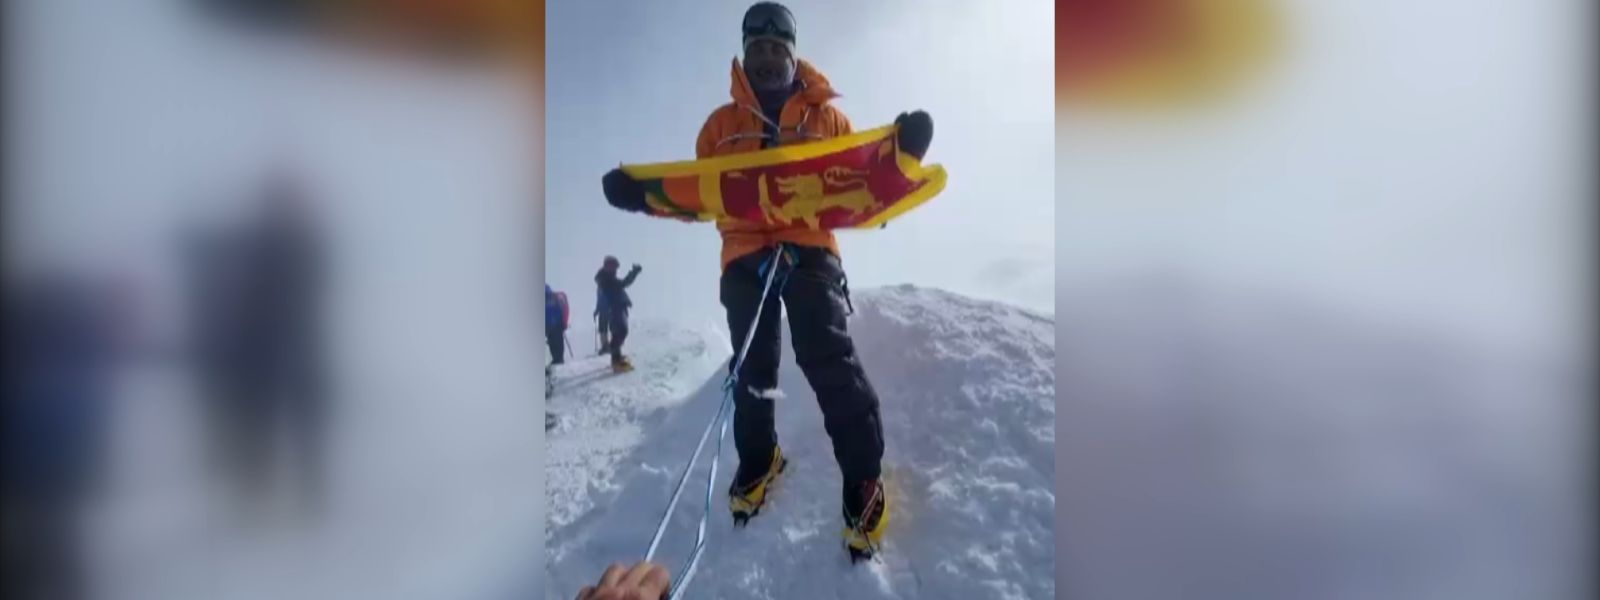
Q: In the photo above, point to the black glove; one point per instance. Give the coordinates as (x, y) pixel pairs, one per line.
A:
(637, 268)
(915, 131)
(623, 192)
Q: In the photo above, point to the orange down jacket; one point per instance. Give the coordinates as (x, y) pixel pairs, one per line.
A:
(736, 127)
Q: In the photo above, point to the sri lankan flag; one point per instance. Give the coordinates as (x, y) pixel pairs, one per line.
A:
(856, 181)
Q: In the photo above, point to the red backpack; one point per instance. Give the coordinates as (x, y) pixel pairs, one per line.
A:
(566, 315)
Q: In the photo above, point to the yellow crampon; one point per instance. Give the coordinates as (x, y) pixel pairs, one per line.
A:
(863, 543)
(747, 502)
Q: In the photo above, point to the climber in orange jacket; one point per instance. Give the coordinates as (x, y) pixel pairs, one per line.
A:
(780, 99)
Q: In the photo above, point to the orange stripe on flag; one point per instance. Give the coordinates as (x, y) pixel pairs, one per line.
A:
(684, 192)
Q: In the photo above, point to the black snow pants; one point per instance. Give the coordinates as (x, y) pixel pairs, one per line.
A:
(555, 338)
(813, 295)
(619, 333)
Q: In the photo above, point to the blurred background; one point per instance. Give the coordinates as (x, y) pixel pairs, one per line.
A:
(271, 297)
(1323, 297)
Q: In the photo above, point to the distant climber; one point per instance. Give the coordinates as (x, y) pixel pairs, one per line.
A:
(556, 318)
(614, 293)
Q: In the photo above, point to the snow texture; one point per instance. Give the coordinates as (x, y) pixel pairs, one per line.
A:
(600, 417)
(968, 402)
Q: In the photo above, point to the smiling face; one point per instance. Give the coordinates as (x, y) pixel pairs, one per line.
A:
(768, 64)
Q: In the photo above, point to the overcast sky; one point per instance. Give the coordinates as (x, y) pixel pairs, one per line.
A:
(633, 82)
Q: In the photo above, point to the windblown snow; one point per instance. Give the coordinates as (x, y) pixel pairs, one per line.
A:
(968, 400)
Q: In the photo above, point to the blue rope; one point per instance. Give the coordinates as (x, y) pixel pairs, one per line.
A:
(731, 384)
(728, 387)
(689, 571)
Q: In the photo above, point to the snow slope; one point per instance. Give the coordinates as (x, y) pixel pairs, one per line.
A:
(967, 393)
(600, 417)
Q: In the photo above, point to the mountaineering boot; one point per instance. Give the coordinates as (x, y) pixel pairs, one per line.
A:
(622, 366)
(750, 484)
(866, 515)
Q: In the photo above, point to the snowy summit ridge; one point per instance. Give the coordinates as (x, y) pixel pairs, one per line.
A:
(967, 392)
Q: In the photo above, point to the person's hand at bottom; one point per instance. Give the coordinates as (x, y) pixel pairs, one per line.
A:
(642, 581)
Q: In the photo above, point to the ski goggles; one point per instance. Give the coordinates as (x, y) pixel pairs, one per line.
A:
(765, 20)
